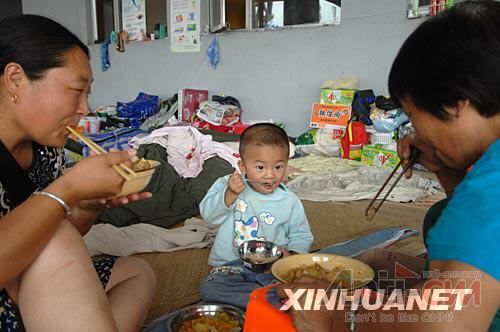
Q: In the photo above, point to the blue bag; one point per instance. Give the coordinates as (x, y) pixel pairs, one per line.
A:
(115, 139)
(138, 110)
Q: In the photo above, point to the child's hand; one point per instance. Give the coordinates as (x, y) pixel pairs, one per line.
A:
(284, 252)
(236, 184)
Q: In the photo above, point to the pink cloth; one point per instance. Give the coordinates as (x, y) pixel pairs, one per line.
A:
(187, 148)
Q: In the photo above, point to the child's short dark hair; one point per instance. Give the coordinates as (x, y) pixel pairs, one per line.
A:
(264, 134)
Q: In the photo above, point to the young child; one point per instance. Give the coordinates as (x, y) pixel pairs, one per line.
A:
(253, 205)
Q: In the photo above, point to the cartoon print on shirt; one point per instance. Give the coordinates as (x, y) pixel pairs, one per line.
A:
(266, 217)
(241, 206)
(246, 231)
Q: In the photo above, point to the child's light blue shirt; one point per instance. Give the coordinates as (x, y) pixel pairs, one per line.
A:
(278, 217)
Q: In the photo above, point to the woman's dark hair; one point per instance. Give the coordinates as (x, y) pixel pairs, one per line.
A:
(36, 43)
(452, 57)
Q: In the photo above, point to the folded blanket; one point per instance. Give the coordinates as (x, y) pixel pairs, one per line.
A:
(142, 238)
(344, 181)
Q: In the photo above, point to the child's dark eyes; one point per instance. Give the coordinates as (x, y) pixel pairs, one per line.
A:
(260, 167)
(279, 167)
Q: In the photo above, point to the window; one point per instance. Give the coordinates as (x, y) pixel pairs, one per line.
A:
(133, 16)
(419, 8)
(272, 14)
(104, 19)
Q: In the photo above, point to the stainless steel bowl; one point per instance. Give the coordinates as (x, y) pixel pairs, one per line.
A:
(199, 310)
(265, 248)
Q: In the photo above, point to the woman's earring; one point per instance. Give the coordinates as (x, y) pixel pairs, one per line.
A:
(14, 99)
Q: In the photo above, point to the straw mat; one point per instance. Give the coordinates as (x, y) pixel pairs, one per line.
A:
(179, 273)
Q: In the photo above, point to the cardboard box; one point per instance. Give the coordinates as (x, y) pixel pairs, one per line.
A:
(336, 97)
(374, 156)
(393, 270)
(329, 115)
(90, 124)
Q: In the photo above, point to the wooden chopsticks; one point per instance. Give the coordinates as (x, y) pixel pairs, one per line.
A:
(99, 150)
(372, 209)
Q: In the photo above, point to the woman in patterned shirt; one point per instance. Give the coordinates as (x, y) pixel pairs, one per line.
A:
(46, 274)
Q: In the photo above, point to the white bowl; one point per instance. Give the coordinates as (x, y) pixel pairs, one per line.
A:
(360, 273)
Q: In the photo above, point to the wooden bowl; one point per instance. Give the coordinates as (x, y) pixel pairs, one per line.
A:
(139, 182)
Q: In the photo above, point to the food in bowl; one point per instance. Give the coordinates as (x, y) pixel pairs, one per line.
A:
(339, 276)
(138, 183)
(346, 272)
(140, 165)
(259, 257)
(208, 317)
(221, 322)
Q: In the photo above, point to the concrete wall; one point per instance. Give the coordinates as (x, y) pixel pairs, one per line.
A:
(73, 14)
(274, 74)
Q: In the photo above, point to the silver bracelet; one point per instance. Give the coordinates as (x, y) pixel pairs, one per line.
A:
(58, 199)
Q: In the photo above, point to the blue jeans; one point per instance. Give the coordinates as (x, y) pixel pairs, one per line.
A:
(233, 283)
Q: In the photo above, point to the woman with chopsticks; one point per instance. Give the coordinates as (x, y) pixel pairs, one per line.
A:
(47, 279)
(446, 77)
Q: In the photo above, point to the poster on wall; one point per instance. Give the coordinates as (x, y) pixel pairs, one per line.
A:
(185, 25)
(134, 18)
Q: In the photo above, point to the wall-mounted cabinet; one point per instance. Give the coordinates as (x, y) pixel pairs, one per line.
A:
(134, 16)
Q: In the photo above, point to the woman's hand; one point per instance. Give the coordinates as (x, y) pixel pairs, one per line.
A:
(427, 157)
(102, 203)
(84, 213)
(308, 320)
(93, 177)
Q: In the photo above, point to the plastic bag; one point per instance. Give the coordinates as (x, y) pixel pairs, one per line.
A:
(385, 103)
(361, 106)
(138, 110)
(320, 142)
(346, 82)
(114, 139)
(387, 121)
(213, 52)
(168, 108)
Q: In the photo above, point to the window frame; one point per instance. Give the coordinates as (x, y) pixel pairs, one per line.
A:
(117, 19)
(222, 26)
